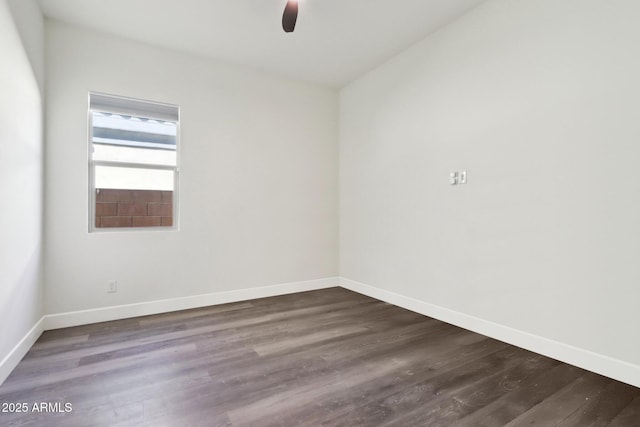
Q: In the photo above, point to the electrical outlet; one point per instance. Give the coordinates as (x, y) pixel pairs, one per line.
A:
(112, 286)
(453, 178)
(458, 177)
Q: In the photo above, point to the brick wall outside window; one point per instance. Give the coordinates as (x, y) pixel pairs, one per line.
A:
(133, 208)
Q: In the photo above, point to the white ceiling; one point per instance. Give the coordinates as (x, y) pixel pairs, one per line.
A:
(334, 42)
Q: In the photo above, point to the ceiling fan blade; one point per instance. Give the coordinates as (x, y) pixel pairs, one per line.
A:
(290, 16)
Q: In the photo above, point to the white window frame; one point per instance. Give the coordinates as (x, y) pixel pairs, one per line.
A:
(93, 163)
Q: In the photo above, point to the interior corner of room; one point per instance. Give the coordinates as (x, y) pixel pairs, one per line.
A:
(290, 185)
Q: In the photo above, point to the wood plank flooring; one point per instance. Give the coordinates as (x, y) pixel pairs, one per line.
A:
(322, 358)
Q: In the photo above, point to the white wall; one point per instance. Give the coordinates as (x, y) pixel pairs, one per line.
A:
(30, 25)
(258, 189)
(539, 102)
(21, 290)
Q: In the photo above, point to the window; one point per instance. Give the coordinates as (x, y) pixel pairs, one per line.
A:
(133, 163)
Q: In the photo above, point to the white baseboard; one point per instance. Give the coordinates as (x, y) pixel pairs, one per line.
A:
(604, 365)
(84, 317)
(8, 364)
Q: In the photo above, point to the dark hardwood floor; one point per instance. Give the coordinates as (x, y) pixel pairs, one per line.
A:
(323, 358)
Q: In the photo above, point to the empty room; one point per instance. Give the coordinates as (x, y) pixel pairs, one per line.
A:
(319, 213)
